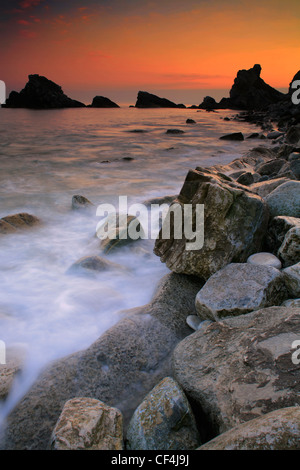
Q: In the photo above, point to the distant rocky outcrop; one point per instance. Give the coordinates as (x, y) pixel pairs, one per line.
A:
(41, 93)
(147, 100)
(103, 102)
(249, 92)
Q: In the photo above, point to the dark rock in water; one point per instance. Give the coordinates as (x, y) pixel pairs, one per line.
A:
(41, 93)
(16, 222)
(190, 121)
(80, 202)
(128, 159)
(147, 100)
(93, 264)
(254, 135)
(208, 103)
(233, 136)
(102, 102)
(174, 131)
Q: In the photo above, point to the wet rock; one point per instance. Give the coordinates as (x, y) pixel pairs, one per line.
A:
(285, 200)
(119, 232)
(103, 102)
(233, 136)
(160, 200)
(238, 289)
(278, 430)
(190, 121)
(41, 93)
(16, 222)
(93, 264)
(88, 424)
(292, 279)
(228, 233)
(265, 259)
(241, 368)
(289, 251)
(274, 135)
(80, 202)
(120, 368)
(14, 361)
(163, 421)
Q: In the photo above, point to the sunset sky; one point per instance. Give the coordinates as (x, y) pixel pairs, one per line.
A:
(181, 49)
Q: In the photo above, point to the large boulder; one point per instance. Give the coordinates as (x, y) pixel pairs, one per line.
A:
(238, 289)
(163, 421)
(235, 221)
(148, 100)
(41, 93)
(119, 368)
(241, 368)
(278, 430)
(88, 424)
(263, 188)
(285, 200)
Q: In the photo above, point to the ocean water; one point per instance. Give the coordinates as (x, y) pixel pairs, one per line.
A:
(48, 156)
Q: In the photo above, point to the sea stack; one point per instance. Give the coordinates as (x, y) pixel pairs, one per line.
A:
(41, 93)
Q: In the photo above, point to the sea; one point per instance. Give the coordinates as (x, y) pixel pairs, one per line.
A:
(47, 157)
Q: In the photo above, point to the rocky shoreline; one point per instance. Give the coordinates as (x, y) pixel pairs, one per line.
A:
(211, 361)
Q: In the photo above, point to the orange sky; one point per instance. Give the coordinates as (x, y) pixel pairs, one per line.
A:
(112, 46)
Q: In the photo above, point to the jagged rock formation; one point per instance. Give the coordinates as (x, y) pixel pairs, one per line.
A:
(249, 92)
(147, 100)
(41, 93)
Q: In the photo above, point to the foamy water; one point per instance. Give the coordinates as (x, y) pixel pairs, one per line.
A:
(47, 157)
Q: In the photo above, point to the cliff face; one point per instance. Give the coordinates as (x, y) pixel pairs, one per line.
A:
(41, 93)
(249, 92)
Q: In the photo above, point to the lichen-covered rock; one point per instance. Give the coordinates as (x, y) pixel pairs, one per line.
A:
(285, 200)
(240, 368)
(163, 421)
(80, 202)
(235, 221)
(240, 288)
(289, 251)
(292, 279)
(278, 430)
(88, 424)
(278, 228)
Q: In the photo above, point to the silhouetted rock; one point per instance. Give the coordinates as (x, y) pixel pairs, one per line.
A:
(102, 102)
(147, 100)
(249, 92)
(41, 93)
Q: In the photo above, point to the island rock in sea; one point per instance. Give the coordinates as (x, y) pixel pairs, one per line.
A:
(147, 100)
(103, 102)
(41, 93)
(248, 92)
